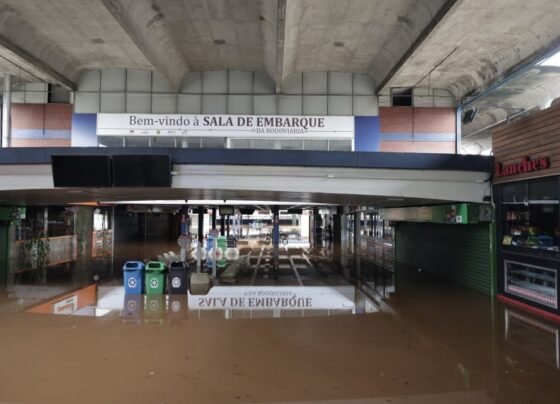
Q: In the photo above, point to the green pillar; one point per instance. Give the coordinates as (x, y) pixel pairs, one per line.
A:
(4, 254)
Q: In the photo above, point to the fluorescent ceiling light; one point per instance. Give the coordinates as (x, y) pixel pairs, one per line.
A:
(152, 202)
(217, 202)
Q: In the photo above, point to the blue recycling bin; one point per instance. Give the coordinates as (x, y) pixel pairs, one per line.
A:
(133, 276)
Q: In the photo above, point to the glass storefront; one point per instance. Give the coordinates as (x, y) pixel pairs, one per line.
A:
(528, 220)
(530, 215)
(221, 143)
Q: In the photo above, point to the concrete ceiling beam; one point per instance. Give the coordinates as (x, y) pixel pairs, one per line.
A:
(31, 65)
(268, 25)
(30, 54)
(280, 36)
(439, 16)
(144, 23)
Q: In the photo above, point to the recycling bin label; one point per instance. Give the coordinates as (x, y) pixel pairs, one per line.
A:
(176, 282)
(154, 305)
(176, 306)
(154, 283)
(131, 305)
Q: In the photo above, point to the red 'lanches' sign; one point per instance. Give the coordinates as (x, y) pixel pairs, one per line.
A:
(525, 166)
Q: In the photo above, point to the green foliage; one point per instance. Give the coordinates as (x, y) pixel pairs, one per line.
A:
(38, 250)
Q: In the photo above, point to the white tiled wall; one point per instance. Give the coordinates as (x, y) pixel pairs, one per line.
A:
(226, 92)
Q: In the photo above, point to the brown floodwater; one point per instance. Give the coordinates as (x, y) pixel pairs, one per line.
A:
(428, 342)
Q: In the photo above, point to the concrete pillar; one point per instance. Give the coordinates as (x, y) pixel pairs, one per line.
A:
(275, 236)
(317, 230)
(7, 111)
(343, 230)
(344, 233)
(337, 234)
(357, 236)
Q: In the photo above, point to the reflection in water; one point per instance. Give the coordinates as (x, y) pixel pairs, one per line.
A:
(537, 338)
(429, 342)
(231, 301)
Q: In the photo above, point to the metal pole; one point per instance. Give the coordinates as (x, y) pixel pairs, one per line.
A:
(7, 111)
(275, 236)
(227, 226)
(222, 225)
(200, 243)
(214, 253)
(200, 224)
(214, 214)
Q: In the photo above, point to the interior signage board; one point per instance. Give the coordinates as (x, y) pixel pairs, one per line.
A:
(527, 165)
(231, 126)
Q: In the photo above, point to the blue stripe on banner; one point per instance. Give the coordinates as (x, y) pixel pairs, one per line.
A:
(418, 137)
(27, 133)
(57, 133)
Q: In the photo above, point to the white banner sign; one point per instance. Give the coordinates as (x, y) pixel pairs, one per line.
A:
(279, 297)
(232, 126)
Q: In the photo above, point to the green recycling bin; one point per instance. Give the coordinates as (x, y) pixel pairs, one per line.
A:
(155, 278)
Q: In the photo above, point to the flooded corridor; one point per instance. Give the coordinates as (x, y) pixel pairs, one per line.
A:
(429, 341)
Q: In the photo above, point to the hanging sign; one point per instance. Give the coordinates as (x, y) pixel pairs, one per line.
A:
(231, 126)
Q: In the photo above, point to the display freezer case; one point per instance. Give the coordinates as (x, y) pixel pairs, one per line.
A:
(531, 282)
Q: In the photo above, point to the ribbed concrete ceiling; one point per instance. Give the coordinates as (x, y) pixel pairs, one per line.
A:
(67, 35)
(459, 45)
(479, 42)
(353, 35)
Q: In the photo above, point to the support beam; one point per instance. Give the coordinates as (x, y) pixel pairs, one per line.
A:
(280, 35)
(145, 24)
(7, 111)
(442, 12)
(32, 65)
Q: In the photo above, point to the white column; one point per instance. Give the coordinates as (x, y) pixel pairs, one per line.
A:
(6, 111)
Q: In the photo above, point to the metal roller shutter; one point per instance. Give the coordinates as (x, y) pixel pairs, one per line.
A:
(3, 255)
(460, 253)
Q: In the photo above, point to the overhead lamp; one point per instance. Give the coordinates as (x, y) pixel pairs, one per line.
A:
(469, 115)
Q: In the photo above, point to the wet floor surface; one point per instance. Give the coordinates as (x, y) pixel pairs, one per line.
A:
(429, 342)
